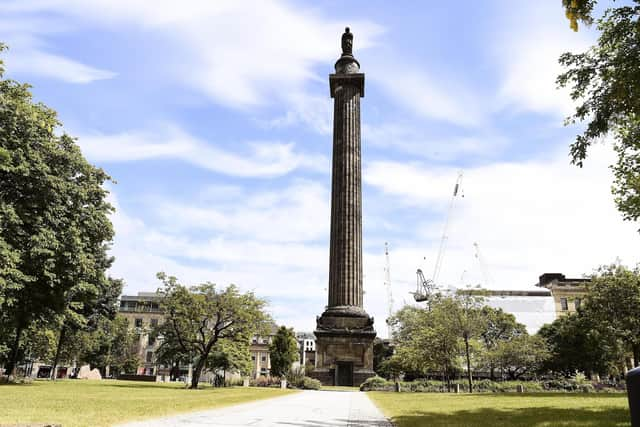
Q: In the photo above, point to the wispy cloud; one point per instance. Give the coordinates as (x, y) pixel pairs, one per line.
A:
(34, 62)
(527, 46)
(170, 142)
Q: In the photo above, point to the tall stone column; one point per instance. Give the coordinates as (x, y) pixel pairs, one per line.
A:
(345, 331)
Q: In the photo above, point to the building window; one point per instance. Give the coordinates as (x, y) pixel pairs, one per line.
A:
(154, 323)
(149, 356)
(577, 302)
(563, 304)
(138, 323)
(253, 358)
(264, 358)
(152, 340)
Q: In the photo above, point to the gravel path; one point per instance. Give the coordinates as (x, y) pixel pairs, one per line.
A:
(304, 409)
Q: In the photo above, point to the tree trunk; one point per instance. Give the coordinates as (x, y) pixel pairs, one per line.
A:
(195, 377)
(492, 372)
(466, 347)
(636, 355)
(56, 359)
(13, 360)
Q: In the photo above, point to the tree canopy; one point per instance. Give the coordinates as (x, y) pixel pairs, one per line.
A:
(199, 317)
(605, 83)
(54, 218)
(283, 351)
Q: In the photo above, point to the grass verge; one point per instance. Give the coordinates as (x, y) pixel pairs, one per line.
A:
(531, 410)
(79, 403)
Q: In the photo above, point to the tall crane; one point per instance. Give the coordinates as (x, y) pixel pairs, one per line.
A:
(445, 236)
(425, 287)
(387, 285)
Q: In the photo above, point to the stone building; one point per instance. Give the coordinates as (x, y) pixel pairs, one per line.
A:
(567, 294)
(306, 348)
(143, 313)
(260, 357)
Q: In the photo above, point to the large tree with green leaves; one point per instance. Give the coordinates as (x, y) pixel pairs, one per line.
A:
(283, 351)
(612, 304)
(54, 217)
(201, 316)
(499, 326)
(605, 82)
(577, 344)
(470, 323)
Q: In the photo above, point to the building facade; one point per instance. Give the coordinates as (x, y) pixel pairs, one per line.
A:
(568, 294)
(143, 313)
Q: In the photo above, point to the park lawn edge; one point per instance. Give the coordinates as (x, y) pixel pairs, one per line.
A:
(78, 403)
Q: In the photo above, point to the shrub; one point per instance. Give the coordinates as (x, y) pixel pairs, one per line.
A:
(376, 384)
(311, 384)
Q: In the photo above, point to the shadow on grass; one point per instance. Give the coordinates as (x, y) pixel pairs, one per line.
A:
(537, 416)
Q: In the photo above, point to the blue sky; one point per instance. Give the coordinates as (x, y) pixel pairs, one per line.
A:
(214, 118)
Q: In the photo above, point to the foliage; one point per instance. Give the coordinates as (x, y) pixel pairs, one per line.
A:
(311, 384)
(522, 355)
(499, 327)
(578, 10)
(283, 351)
(613, 305)
(605, 81)
(576, 344)
(54, 217)
(113, 343)
(232, 356)
(425, 339)
(197, 318)
(382, 352)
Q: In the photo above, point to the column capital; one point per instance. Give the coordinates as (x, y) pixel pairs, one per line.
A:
(338, 80)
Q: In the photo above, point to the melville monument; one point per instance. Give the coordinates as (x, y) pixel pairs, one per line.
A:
(344, 332)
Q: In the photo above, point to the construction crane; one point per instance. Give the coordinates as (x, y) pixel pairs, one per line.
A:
(425, 287)
(387, 285)
(483, 266)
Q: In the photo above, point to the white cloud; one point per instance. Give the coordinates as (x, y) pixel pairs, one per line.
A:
(31, 61)
(258, 158)
(528, 46)
(296, 213)
(410, 139)
(238, 53)
(532, 217)
(428, 95)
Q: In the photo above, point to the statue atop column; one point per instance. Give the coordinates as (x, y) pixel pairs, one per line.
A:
(347, 64)
(347, 42)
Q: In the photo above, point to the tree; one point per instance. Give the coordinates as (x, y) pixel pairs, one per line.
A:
(200, 316)
(230, 356)
(383, 351)
(605, 81)
(54, 217)
(283, 351)
(111, 344)
(499, 326)
(522, 355)
(577, 345)
(425, 339)
(470, 323)
(613, 305)
(87, 304)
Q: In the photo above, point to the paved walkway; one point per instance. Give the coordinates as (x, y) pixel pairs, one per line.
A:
(304, 409)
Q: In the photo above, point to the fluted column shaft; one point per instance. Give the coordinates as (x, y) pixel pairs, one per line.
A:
(345, 252)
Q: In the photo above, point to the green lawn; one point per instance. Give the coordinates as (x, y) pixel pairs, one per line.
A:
(75, 403)
(496, 410)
